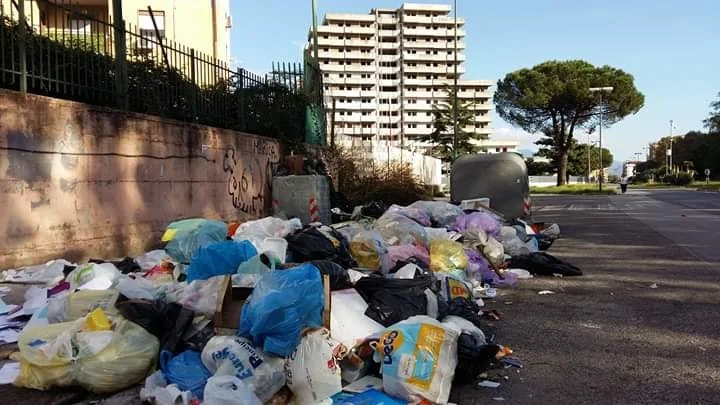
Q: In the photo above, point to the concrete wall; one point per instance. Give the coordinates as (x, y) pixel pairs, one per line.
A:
(79, 181)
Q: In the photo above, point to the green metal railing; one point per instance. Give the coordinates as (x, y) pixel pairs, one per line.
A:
(58, 49)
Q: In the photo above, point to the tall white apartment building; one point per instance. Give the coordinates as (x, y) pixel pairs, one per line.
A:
(384, 71)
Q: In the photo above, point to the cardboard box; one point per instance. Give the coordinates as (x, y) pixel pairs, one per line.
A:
(231, 300)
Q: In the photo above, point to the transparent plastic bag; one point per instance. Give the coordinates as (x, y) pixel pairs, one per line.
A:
(268, 227)
(417, 215)
(443, 214)
(478, 221)
(398, 229)
(70, 307)
(93, 276)
(234, 356)
(229, 390)
(47, 358)
(369, 251)
(447, 256)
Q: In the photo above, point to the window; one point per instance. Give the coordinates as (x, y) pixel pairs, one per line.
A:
(325, 49)
(412, 114)
(505, 150)
(326, 75)
(325, 62)
(341, 75)
(348, 75)
(412, 125)
(365, 113)
(497, 149)
(366, 88)
(145, 26)
(435, 52)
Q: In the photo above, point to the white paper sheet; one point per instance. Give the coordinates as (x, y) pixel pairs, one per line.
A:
(9, 372)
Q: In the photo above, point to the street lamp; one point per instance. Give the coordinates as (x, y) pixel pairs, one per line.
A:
(601, 90)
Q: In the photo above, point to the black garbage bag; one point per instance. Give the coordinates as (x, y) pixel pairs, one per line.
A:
(543, 264)
(474, 358)
(467, 309)
(339, 278)
(391, 301)
(166, 321)
(311, 244)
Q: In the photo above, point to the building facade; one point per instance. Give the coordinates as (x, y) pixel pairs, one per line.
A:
(203, 25)
(385, 71)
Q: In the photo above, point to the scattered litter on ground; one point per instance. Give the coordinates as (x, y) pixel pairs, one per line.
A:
(546, 292)
(653, 285)
(498, 399)
(488, 384)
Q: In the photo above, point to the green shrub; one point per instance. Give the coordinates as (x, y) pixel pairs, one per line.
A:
(679, 179)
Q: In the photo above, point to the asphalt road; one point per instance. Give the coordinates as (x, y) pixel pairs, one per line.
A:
(609, 337)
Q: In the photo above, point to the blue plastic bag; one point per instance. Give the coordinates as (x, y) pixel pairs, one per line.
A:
(283, 303)
(369, 397)
(191, 234)
(185, 370)
(219, 258)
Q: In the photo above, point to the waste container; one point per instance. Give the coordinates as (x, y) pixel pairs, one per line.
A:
(501, 177)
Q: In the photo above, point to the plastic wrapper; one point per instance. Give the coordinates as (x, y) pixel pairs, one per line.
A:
(481, 273)
(229, 390)
(349, 229)
(234, 356)
(369, 251)
(283, 303)
(441, 213)
(417, 215)
(186, 236)
(312, 371)
(451, 287)
(447, 256)
(47, 357)
(478, 221)
(219, 258)
(398, 229)
(418, 357)
(151, 259)
(185, 370)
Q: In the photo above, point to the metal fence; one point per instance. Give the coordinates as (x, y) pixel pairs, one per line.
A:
(57, 49)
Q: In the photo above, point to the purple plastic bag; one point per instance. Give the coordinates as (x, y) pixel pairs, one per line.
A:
(478, 221)
(479, 269)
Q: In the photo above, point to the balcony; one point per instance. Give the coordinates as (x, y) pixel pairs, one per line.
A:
(425, 32)
(355, 80)
(352, 106)
(333, 54)
(444, 44)
(389, 33)
(355, 67)
(356, 43)
(425, 20)
(354, 29)
(441, 56)
(388, 45)
(447, 70)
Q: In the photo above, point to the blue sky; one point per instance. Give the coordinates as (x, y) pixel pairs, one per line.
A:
(671, 47)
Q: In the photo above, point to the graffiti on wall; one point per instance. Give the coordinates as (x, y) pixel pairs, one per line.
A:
(249, 178)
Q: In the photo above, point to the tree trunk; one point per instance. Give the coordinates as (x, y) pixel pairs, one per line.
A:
(562, 168)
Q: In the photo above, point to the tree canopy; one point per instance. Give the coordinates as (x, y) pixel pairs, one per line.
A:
(578, 158)
(712, 122)
(554, 98)
(444, 125)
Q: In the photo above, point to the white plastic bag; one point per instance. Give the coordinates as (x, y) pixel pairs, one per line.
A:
(48, 273)
(418, 357)
(93, 276)
(268, 227)
(462, 325)
(312, 373)
(158, 392)
(234, 356)
(138, 288)
(229, 390)
(200, 295)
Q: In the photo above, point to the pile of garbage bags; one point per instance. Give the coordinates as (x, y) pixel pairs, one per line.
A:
(377, 309)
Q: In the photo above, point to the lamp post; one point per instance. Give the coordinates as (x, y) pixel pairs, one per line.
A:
(601, 90)
(455, 88)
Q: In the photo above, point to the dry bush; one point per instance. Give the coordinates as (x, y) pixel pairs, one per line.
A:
(361, 181)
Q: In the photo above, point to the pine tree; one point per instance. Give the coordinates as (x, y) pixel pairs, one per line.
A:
(441, 138)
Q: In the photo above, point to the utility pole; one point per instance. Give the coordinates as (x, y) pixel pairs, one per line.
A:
(670, 153)
(601, 90)
(588, 156)
(455, 88)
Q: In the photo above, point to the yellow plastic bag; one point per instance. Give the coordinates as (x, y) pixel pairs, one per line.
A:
(368, 249)
(125, 361)
(447, 256)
